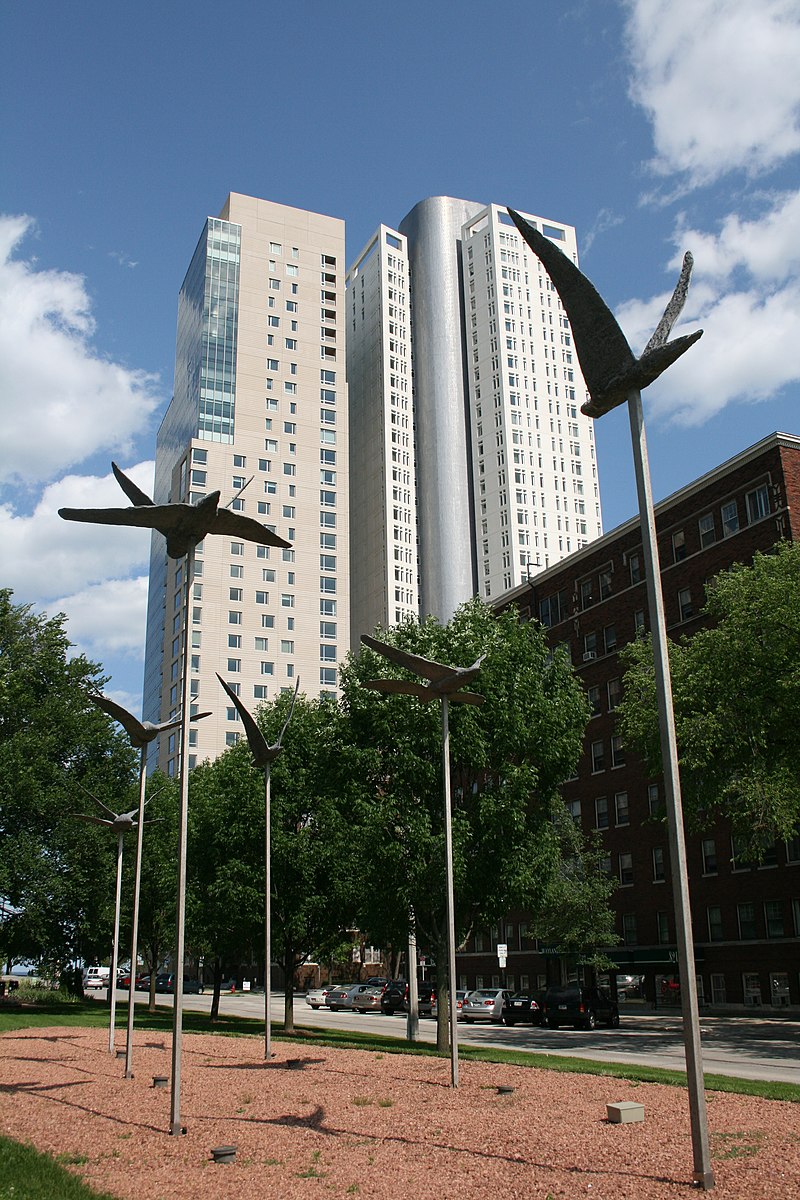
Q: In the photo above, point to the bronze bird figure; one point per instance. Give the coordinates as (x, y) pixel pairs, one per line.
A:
(263, 753)
(444, 680)
(141, 733)
(609, 366)
(183, 525)
(116, 822)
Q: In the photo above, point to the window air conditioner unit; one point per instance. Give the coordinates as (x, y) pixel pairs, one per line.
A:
(590, 656)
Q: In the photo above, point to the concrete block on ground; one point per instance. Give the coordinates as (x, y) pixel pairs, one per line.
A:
(624, 1112)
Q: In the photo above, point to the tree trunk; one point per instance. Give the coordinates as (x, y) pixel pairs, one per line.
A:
(217, 989)
(443, 1017)
(288, 990)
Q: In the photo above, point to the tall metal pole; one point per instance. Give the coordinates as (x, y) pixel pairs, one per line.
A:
(451, 922)
(137, 889)
(112, 979)
(267, 909)
(703, 1174)
(177, 1016)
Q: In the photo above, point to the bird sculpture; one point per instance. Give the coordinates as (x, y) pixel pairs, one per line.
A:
(610, 368)
(263, 753)
(183, 525)
(443, 680)
(141, 733)
(117, 822)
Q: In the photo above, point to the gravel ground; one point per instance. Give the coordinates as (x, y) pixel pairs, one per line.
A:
(317, 1121)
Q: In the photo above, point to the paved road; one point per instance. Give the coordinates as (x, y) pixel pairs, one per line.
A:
(750, 1048)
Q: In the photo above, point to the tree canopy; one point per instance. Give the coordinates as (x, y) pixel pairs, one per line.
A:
(508, 758)
(736, 693)
(56, 874)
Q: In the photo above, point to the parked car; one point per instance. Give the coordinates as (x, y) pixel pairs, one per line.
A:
(166, 983)
(143, 983)
(140, 985)
(486, 1004)
(316, 997)
(377, 981)
(96, 978)
(523, 1007)
(395, 998)
(162, 983)
(460, 998)
(583, 1007)
(354, 997)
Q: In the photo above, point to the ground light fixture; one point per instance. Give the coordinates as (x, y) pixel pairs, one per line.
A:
(445, 684)
(183, 526)
(614, 375)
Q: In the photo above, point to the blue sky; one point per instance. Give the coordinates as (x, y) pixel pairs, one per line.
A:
(653, 126)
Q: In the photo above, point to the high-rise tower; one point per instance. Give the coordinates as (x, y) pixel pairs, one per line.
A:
(259, 403)
(505, 479)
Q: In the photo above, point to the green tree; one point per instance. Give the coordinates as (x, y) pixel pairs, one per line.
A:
(56, 874)
(736, 695)
(508, 758)
(312, 859)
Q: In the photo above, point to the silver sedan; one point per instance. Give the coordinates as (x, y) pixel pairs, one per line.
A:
(360, 997)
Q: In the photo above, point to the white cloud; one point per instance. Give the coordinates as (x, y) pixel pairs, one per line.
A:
(61, 400)
(45, 556)
(106, 618)
(719, 80)
(767, 248)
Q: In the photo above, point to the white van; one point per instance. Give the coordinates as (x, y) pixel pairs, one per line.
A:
(96, 977)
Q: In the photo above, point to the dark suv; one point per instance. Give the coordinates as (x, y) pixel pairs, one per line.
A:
(395, 998)
(583, 1007)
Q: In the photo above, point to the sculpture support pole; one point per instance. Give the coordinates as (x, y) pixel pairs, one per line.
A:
(703, 1174)
(112, 979)
(137, 888)
(177, 1016)
(267, 909)
(451, 922)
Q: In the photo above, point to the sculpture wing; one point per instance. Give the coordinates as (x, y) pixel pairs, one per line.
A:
(289, 717)
(134, 494)
(425, 667)
(600, 344)
(402, 687)
(132, 726)
(255, 738)
(674, 307)
(141, 518)
(245, 527)
(93, 820)
(466, 698)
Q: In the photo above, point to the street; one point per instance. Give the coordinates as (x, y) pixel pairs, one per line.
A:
(749, 1048)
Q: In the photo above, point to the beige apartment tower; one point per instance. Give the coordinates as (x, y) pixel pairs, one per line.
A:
(259, 411)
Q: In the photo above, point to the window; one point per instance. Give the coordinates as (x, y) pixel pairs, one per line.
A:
(326, 584)
(730, 518)
(709, 848)
(598, 756)
(793, 849)
(626, 870)
(659, 873)
(234, 618)
(714, 917)
(234, 664)
(601, 812)
(678, 546)
(662, 924)
(773, 918)
(654, 805)
(629, 935)
(267, 668)
(746, 913)
(589, 646)
(574, 810)
(739, 859)
(639, 623)
(621, 810)
(327, 629)
(685, 608)
(617, 752)
(593, 696)
(708, 534)
(287, 600)
(757, 503)
(610, 638)
(635, 567)
(327, 676)
(327, 653)
(235, 593)
(237, 548)
(604, 580)
(614, 689)
(586, 593)
(200, 456)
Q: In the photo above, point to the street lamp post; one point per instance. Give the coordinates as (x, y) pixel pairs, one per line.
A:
(613, 376)
(445, 684)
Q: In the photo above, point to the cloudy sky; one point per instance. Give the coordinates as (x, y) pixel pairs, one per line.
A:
(651, 126)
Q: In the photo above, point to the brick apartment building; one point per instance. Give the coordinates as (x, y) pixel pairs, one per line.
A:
(746, 919)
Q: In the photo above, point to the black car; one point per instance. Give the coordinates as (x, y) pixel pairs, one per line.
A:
(395, 998)
(523, 1007)
(583, 1007)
